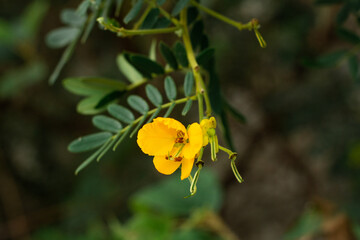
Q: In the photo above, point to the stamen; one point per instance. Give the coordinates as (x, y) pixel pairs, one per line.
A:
(178, 159)
(180, 137)
(179, 140)
(180, 134)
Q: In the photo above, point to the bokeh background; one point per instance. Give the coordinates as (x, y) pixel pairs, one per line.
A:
(299, 150)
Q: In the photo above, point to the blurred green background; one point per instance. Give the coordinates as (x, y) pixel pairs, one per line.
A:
(299, 151)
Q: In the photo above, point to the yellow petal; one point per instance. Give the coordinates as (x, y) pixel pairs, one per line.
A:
(195, 141)
(156, 138)
(186, 166)
(172, 124)
(165, 166)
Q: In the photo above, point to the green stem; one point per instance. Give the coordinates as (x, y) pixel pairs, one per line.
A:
(223, 18)
(232, 155)
(200, 85)
(122, 32)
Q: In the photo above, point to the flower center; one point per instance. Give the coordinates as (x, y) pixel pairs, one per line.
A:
(180, 137)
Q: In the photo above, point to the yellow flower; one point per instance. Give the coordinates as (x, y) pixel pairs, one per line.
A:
(171, 144)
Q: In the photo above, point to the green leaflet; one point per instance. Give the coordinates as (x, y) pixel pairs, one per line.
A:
(145, 66)
(154, 95)
(87, 86)
(187, 107)
(205, 56)
(150, 19)
(180, 5)
(170, 88)
(188, 84)
(138, 103)
(180, 54)
(61, 37)
(89, 142)
(106, 123)
(88, 106)
(72, 17)
(168, 55)
(133, 12)
(128, 70)
(121, 113)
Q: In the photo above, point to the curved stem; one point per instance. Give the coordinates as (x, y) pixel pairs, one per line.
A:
(223, 18)
(122, 32)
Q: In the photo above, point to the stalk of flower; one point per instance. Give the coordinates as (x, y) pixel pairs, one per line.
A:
(171, 144)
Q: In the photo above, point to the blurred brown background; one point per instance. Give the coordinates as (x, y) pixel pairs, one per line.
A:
(299, 151)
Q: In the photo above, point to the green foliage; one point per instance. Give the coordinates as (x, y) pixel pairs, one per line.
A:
(73, 17)
(196, 33)
(150, 19)
(86, 86)
(153, 95)
(121, 113)
(138, 103)
(188, 83)
(89, 142)
(128, 70)
(168, 55)
(99, 91)
(180, 53)
(134, 11)
(61, 37)
(145, 66)
(180, 5)
(170, 88)
(205, 56)
(106, 123)
(187, 107)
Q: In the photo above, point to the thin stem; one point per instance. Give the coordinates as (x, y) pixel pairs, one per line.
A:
(232, 155)
(122, 32)
(223, 18)
(200, 85)
(129, 32)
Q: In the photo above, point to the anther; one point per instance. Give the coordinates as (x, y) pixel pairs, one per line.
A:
(178, 159)
(179, 140)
